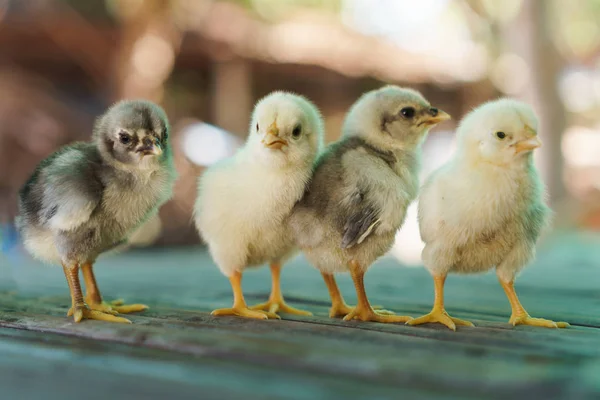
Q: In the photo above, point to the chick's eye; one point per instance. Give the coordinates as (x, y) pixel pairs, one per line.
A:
(256, 127)
(408, 112)
(124, 138)
(500, 135)
(297, 131)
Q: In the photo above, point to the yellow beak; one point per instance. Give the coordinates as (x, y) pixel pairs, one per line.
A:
(434, 120)
(527, 144)
(272, 139)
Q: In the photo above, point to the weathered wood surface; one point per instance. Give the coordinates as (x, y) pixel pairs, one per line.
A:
(177, 350)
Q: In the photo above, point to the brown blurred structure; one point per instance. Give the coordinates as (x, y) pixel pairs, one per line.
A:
(63, 62)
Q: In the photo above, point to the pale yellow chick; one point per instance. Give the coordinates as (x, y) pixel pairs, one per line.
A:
(485, 208)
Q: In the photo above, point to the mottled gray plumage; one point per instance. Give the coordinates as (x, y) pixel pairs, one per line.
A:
(86, 198)
(363, 183)
(360, 190)
(334, 220)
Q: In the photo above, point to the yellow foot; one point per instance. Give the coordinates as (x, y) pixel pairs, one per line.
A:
(122, 308)
(245, 312)
(84, 312)
(275, 306)
(527, 320)
(369, 314)
(441, 316)
(114, 307)
(341, 310)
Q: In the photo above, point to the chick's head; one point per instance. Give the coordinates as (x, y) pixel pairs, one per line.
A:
(500, 132)
(393, 117)
(133, 134)
(286, 129)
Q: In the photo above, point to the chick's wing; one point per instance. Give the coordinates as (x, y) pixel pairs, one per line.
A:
(70, 188)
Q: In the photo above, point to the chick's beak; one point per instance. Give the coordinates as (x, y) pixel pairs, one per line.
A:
(527, 144)
(152, 150)
(435, 116)
(272, 139)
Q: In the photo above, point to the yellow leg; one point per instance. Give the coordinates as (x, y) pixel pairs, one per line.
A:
(276, 302)
(438, 313)
(240, 308)
(94, 299)
(339, 308)
(79, 309)
(363, 310)
(520, 316)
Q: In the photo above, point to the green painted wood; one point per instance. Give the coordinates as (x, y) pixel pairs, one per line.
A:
(177, 350)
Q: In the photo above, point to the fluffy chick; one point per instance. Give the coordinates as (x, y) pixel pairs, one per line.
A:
(86, 198)
(243, 201)
(361, 189)
(485, 208)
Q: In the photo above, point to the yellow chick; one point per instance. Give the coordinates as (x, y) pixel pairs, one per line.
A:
(485, 208)
(243, 201)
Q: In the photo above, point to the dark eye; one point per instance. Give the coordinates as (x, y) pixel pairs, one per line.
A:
(124, 138)
(501, 135)
(297, 131)
(256, 127)
(408, 112)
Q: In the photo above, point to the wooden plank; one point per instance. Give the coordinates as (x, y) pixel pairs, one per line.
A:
(314, 357)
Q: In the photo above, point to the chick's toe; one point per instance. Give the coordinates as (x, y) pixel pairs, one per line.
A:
(245, 312)
(274, 306)
(442, 317)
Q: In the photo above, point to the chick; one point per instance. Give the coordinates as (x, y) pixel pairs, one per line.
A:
(485, 208)
(243, 201)
(361, 189)
(86, 198)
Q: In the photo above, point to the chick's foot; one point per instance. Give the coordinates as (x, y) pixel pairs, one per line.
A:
(343, 309)
(245, 312)
(116, 306)
(82, 311)
(526, 319)
(441, 316)
(369, 314)
(274, 306)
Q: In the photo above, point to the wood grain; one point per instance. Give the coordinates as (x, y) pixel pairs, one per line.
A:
(177, 350)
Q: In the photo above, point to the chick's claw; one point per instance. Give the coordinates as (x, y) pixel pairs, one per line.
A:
(279, 306)
(128, 308)
(442, 317)
(82, 312)
(528, 320)
(245, 312)
(115, 307)
(343, 310)
(101, 307)
(369, 314)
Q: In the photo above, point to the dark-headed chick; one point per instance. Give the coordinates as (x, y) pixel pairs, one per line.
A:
(361, 188)
(88, 197)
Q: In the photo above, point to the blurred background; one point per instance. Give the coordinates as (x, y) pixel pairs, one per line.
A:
(62, 62)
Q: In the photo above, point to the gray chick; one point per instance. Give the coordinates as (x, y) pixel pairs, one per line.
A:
(360, 191)
(87, 198)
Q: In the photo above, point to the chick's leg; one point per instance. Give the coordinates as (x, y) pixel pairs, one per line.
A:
(276, 302)
(79, 309)
(438, 313)
(363, 310)
(520, 316)
(339, 308)
(240, 308)
(94, 299)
